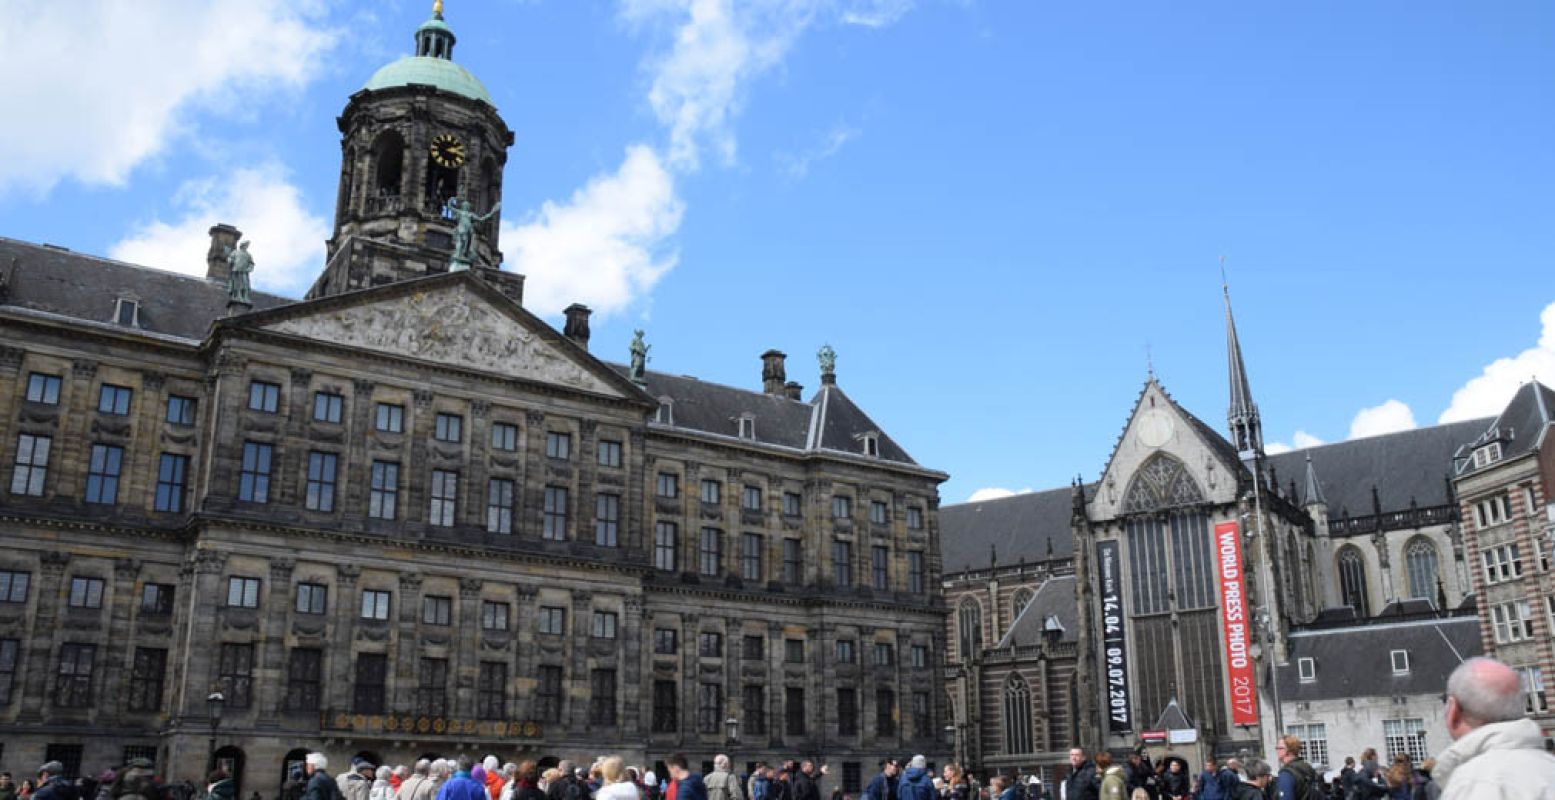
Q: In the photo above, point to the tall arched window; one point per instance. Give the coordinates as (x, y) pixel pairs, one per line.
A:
(1017, 716)
(969, 628)
(1352, 579)
(388, 165)
(1018, 603)
(1421, 560)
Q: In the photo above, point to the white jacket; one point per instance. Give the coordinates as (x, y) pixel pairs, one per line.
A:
(1499, 761)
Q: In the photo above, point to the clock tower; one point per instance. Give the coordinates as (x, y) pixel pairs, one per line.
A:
(421, 133)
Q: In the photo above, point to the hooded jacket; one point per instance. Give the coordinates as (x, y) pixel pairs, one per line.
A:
(1499, 761)
(916, 784)
(1114, 784)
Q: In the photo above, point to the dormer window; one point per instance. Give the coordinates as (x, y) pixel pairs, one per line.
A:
(871, 444)
(747, 426)
(1400, 660)
(1487, 455)
(666, 413)
(1306, 670)
(126, 312)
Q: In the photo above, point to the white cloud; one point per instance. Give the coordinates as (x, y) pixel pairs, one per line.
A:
(994, 493)
(798, 166)
(121, 90)
(876, 13)
(1301, 441)
(1488, 393)
(288, 241)
(1389, 417)
(1276, 448)
(605, 245)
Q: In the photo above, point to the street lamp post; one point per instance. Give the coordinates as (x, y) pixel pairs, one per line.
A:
(213, 704)
(734, 730)
(953, 733)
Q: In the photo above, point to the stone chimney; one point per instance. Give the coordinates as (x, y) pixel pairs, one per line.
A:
(772, 373)
(223, 237)
(793, 391)
(577, 327)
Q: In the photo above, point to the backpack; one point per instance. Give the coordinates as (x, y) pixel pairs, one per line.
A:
(1307, 788)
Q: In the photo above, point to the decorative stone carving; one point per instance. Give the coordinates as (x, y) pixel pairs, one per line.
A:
(281, 568)
(534, 417)
(210, 561)
(470, 588)
(588, 426)
(450, 326)
(362, 387)
(308, 625)
(83, 368)
(125, 569)
(348, 573)
(423, 399)
(410, 582)
(1161, 483)
(11, 357)
(479, 409)
(301, 376)
(152, 381)
(111, 426)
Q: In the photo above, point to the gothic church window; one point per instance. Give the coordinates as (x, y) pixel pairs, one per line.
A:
(1017, 716)
(969, 627)
(1421, 560)
(1018, 603)
(1162, 482)
(1352, 579)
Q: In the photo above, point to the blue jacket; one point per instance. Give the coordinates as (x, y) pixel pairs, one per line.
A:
(916, 784)
(1209, 787)
(691, 788)
(880, 788)
(1009, 793)
(462, 787)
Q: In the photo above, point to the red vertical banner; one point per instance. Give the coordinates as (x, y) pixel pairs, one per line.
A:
(1236, 622)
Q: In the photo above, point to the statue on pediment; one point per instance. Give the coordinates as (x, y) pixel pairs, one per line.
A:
(240, 264)
(639, 356)
(464, 217)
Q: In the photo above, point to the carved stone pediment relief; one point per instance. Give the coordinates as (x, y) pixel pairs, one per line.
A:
(450, 326)
(309, 625)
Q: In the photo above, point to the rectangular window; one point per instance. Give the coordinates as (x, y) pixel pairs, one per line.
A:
(712, 492)
(666, 537)
(885, 712)
(710, 704)
(242, 592)
(1502, 563)
(602, 697)
(842, 564)
(792, 504)
(237, 674)
(499, 505)
(750, 500)
(847, 712)
(665, 707)
(914, 518)
(375, 605)
(448, 428)
(1314, 741)
(852, 776)
(607, 519)
(792, 564)
(922, 718)
(172, 483)
(664, 641)
(389, 418)
(710, 644)
(9, 654)
(432, 687)
(114, 399)
(885, 654)
(920, 656)
(710, 552)
(558, 445)
(555, 513)
(548, 694)
(841, 507)
(304, 676)
(1306, 670)
(753, 704)
(326, 407)
(1400, 659)
(504, 436)
(1536, 699)
(494, 615)
(372, 673)
(385, 494)
(915, 572)
(86, 593)
(73, 682)
(880, 568)
(753, 648)
(445, 498)
(604, 625)
(264, 397)
(846, 653)
(312, 598)
(180, 410)
(491, 698)
(156, 600)
(750, 557)
(102, 475)
(608, 453)
(793, 711)
(1511, 622)
(437, 610)
(146, 679)
(879, 513)
(254, 480)
(1406, 736)
(32, 464)
(43, 388)
(68, 755)
(321, 481)
(793, 651)
(553, 620)
(667, 485)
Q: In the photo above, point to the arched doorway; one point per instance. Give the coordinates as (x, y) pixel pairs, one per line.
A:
(230, 760)
(292, 768)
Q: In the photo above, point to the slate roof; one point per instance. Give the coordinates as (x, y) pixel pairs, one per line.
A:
(1406, 465)
(839, 422)
(1355, 662)
(80, 286)
(1031, 527)
(1519, 427)
(1055, 598)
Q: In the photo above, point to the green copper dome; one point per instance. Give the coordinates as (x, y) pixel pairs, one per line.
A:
(441, 73)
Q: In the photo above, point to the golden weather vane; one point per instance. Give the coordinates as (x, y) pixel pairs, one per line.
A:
(437, 8)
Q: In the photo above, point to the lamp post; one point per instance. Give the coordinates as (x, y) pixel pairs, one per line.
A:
(213, 704)
(953, 733)
(733, 725)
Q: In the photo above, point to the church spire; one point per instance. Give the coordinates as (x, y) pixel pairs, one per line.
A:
(1246, 429)
(1312, 495)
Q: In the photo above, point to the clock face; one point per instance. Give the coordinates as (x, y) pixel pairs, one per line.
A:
(1155, 428)
(447, 150)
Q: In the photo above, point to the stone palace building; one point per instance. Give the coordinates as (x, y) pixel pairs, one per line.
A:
(404, 516)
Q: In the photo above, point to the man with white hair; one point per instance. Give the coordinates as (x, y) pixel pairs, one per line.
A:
(1496, 751)
(320, 785)
(722, 784)
(419, 782)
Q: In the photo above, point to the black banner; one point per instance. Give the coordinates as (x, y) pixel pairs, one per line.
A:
(1113, 641)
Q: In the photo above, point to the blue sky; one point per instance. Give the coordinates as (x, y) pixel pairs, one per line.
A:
(992, 210)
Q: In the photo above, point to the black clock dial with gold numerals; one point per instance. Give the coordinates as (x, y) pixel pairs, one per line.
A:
(447, 150)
